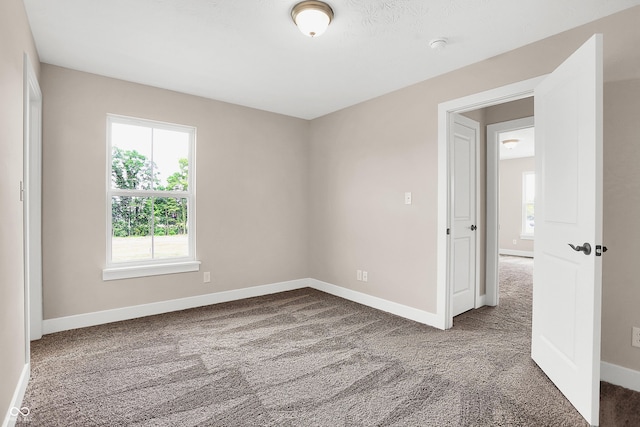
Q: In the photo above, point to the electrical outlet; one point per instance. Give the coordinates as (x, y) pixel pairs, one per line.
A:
(207, 277)
(365, 276)
(515, 242)
(635, 337)
(359, 275)
(407, 198)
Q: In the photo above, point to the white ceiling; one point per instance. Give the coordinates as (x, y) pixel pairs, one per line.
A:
(525, 146)
(249, 52)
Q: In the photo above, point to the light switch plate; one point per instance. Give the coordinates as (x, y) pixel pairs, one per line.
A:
(407, 198)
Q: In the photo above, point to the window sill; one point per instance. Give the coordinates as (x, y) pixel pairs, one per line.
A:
(116, 273)
(526, 236)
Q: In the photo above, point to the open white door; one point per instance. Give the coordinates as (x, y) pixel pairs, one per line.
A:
(463, 152)
(567, 284)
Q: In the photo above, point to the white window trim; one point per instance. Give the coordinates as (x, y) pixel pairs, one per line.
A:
(124, 270)
(116, 273)
(523, 226)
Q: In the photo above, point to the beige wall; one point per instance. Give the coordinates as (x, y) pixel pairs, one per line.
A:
(251, 186)
(509, 111)
(15, 39)
(365, 157)
(511, 203)
(621, 280)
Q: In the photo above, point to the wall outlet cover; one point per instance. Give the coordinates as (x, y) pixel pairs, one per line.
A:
(635, 337)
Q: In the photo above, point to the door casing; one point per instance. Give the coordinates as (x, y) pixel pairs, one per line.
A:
(32, 205)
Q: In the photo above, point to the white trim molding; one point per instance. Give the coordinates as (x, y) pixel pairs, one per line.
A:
(59, 324)
(401, 310)
(129, 272)
(527, 254)
(16, 401)
(619, 375)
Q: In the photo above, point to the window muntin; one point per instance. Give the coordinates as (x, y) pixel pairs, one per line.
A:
(150, 194)
(528, 203)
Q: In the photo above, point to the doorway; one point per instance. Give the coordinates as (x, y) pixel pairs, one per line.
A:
(446, 111)
(32, 206)
(498, 227)
(510, 189)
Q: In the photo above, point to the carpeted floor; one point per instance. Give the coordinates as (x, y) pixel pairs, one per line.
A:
(305, 358)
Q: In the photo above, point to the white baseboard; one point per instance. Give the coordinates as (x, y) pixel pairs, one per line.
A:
(59, 324)
(16, 400)
(528, 254)
(50, 326)
(407, 312)
(618, 375)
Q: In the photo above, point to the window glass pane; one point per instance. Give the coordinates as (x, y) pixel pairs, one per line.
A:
(130, 157)
(528, 202)
(530, 219)
(171, 232)
(131, 238)
(170, 157)
(149, 158)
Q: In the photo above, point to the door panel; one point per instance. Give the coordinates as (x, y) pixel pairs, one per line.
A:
(463, 239)
(462, 257)
(567, 284)
(561, 285)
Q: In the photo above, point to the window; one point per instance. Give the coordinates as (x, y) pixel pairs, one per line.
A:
(150, 198)
(528, 203)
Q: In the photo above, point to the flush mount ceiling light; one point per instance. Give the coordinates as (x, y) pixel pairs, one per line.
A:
(312, 17)
(510, 143)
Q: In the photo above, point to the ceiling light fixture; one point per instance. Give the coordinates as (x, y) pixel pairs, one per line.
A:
(312, 17)
(510, 143)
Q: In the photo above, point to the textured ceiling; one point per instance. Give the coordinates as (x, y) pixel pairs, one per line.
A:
(249, 52)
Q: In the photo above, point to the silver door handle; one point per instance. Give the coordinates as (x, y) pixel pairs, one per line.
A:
(586, 248)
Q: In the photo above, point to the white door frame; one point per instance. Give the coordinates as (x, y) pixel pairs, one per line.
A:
(492, 294)
(488, 98)
(32, 205)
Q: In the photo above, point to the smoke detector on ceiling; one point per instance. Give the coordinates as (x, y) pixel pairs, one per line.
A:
(438, 44)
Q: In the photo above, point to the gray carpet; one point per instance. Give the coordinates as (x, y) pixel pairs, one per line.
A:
(305, 358)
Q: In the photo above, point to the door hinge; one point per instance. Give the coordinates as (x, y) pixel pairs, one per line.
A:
(448, 231)
(600, 249)
(21, 191)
